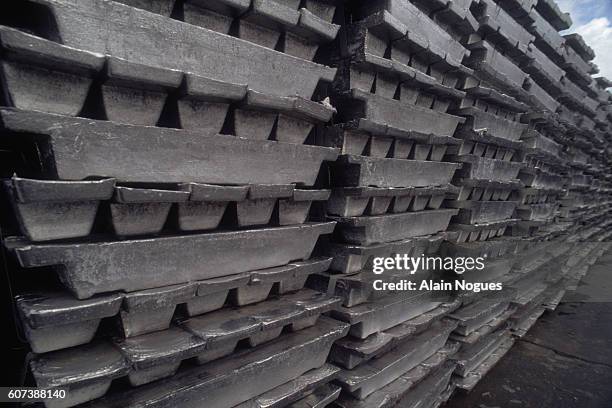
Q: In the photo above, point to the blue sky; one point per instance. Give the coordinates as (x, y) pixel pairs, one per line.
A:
(583, 11)
(593, 20)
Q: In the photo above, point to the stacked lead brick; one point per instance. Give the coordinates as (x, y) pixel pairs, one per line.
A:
(511, 53)
(489, 151)
(169, 188)
(398, 77)
(176, 213)
(561, 131)
(572, 135)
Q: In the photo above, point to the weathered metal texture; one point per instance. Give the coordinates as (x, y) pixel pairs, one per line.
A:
(222, 330)
(294, 210)
(393, 227)
(254, 205)
(537, 212)
(481, 144)
(194, 257)
(499, 322)
(363, 137)
(352, 258)
(241, 376)
(497, 270)
(287, 119)
(577, 68)
(163, 7)
(527, 320)
(543, 70)
(574, 97)
(412, 388)
(370, 318)
(368, 66)
(358, 288)
(468, 382)
(40, 204)
(536, 178)
(351, 353)
(494, 125)
(319, 398)
(476, 189)
(469, 358)
(538, 196)
(482, 168)
(480, 232)
(479, 92)
(203, 103)
(206, 205)
(141, 211)
(550, 10)
(519, 9)
(261, 201)
(153, 357)
(265, 22)
(488, 249)
(359, 104)
(540, 98)
(103, 26)
(310, 390)
(548, 38)
(216, 15)
(53, 321)
(75, 146)
(436, 388)
(254, 287)
(414, 22)
(556, 294)
(473, 316)
(85, 376)
(496, 68)
(41, 75)
(478, 212)
(150, 310)
(581, 180)
(356, 171)
(375, 374)
(212, 336)
(455, 15)
(357, 201)
(501, 28)
(576, 41)
(135, 93)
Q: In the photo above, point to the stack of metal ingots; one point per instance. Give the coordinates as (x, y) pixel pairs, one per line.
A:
(171, 165)
(399, 74)
(543, 80)
(490, 151)
(164, 192)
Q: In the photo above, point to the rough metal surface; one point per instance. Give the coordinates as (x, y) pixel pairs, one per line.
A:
(30, 64)
(355, 171)
(100, 26)
(174, 163)
(226, 253)
(393, 227)
(87, 148)
(224, 382)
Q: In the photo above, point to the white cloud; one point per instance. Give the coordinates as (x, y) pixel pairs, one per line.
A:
(598, 34)
(582, 11)
(596, 29)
